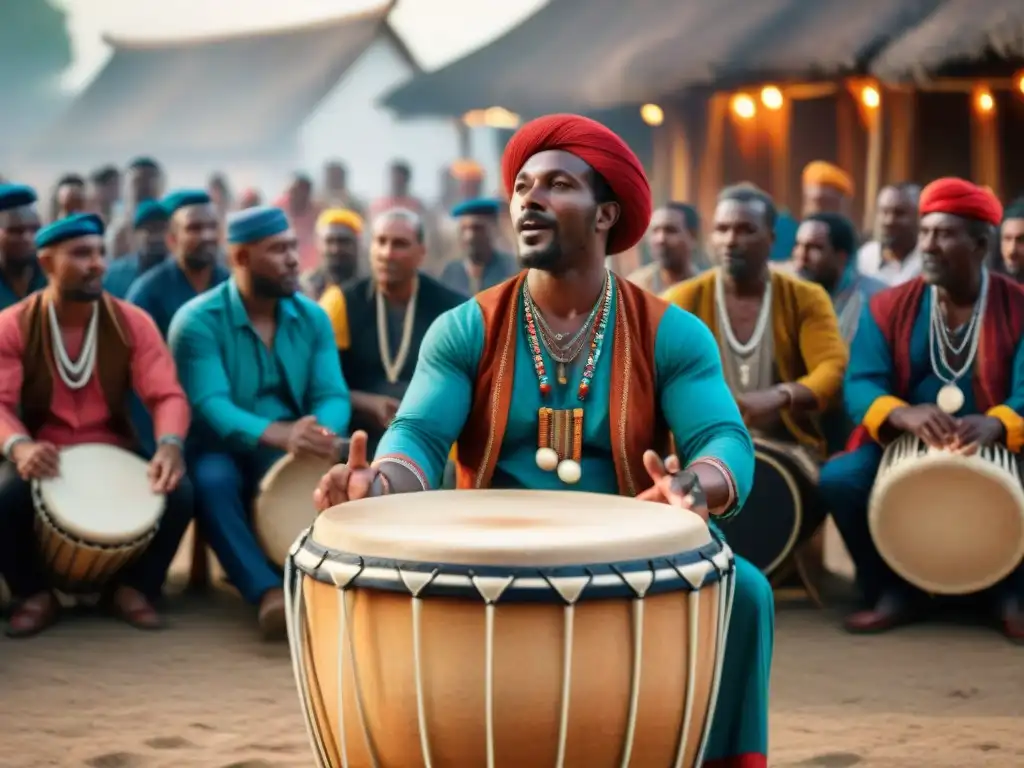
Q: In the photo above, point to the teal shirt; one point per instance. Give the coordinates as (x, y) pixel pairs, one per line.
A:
(237, 387)
(694, 399)
(122, 274)
(164, 289)
(36, 283)
(871, 374)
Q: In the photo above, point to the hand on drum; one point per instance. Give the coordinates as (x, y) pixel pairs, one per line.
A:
(166, 468)
(761, 408)
(669, 484)
(308, 437)
(349, 481)
(36, 460)
(928, 422)
(974, 432)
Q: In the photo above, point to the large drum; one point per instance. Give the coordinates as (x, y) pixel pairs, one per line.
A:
(283, 507)
(783, 509)
(461, 629)
(946, 523)
(95, 517)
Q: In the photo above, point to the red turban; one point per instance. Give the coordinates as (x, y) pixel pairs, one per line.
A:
(603, 151)
(961, 198)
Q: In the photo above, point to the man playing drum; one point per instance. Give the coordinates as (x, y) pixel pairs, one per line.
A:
(530, 405)
(962, 387)
(258, 361)
(69, 356)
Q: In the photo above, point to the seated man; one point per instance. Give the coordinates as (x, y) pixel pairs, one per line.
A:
(105, 349)
(899, 366)
(777, 335)
(338, 232)
(674, 241)
(258, 362)
(193, 266)
(481, 264)
(150, 241)
(20, 273)
(380, 321)
(496, 367)
(826, 246)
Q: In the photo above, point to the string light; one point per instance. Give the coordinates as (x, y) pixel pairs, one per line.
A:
(771, 97)
(870, 97)
(652, 114)
(743, 106)
(985, 101)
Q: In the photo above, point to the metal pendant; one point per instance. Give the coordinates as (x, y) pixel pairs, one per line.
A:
(744, 375)
(562, 377)
(951, 399)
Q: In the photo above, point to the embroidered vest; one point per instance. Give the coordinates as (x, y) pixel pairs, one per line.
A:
(637, 423)
(113, 364)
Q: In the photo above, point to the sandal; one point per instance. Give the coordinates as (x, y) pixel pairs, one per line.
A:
(34, 615)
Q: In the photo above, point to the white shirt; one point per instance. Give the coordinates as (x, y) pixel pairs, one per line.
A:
(871, 263)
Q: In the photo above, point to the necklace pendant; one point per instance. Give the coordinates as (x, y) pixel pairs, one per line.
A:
(744, 375)
(562, 377)
(950, 399)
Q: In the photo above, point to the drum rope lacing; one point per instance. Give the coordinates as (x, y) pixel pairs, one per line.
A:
(75, 374)
(972, 335)
(743, 350)
(393, 366)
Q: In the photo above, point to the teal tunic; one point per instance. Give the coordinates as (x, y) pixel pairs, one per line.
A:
(703, 418)
(123, 272)
(165, 288)
(36, 283)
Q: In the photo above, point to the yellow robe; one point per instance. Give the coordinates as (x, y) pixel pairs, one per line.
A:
(809, 349)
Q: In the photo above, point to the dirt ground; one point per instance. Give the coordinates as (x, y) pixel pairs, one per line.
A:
(207, 694)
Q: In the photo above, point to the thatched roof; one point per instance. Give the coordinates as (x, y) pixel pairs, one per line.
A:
(228, 94)
(958, 32)
(594, 54)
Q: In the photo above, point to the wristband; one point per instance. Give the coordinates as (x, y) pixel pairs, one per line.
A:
(12, 441)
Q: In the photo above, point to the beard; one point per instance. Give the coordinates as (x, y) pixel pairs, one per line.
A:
(81, 294)
(201, 258)
(549, 259)
(340, 272)
(266, 288)
(741, 267)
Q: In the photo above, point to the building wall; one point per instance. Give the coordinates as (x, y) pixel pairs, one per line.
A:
(350, 126)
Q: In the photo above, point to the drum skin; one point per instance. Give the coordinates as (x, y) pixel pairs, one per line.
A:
(284, 508)
(948, 524)
(380, 636)
(527, 679)
(782, 512)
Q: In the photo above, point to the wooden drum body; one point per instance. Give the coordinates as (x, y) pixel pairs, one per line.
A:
(96, 517)
(284, 505)
(946, 523)
(783, 509)
(508, 629)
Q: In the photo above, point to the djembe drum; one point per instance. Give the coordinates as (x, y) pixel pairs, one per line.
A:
(457, 629)
(95, 517)
(283, 507)
(946, 523)
(783, 509)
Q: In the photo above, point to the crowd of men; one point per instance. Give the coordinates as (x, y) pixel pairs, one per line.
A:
(212, 336)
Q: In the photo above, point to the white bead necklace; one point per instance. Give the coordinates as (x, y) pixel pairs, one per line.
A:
(74, 373)
(747, 349)
(951, 398)
(393, 366)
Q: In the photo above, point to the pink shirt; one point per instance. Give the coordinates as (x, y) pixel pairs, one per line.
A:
(82, 416)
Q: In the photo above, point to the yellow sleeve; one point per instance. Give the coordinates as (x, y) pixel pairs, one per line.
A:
(1013, 423)
(822, 347)
(333, 303)
(879, 413)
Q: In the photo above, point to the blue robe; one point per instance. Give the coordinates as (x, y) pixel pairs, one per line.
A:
(703, 418)
(36, 283)
(122, 273)
(164, 289)
(847, 479)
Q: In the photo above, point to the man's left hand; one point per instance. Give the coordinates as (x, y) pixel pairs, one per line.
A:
(975, 432)
(166, 468)
(762, 407)
(670, 485)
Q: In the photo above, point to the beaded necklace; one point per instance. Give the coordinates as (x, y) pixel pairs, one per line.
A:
(593, 353)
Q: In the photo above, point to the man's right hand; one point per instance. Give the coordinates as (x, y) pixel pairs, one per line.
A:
(349, 481)
(928, 422)
(382, 410)
(308, 437)
(36, 460)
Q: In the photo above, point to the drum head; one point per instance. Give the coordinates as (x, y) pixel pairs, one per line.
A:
(284, 506)
(510, 528)
(949, 525)
(102, 495)
(781, 510)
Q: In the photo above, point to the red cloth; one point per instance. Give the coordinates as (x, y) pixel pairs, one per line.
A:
(603, 151)
(961, 198)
